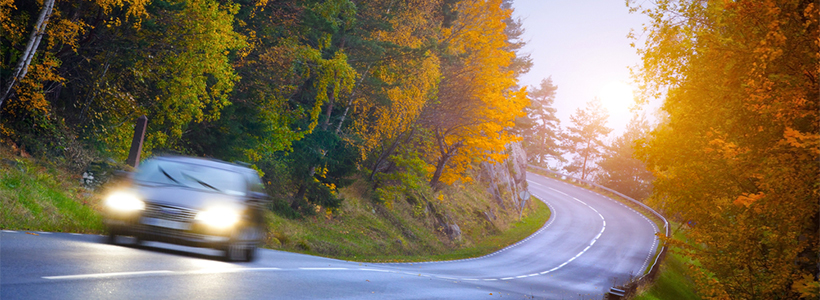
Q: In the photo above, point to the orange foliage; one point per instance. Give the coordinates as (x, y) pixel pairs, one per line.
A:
(478, 102)
(738, 152)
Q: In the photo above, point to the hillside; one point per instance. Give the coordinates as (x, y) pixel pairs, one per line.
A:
(43, 195)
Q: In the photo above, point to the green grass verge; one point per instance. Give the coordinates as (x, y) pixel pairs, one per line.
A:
(368, 233)
(517, 232)
(36, 197)
(672, 283)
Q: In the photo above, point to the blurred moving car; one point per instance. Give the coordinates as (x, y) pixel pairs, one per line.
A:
(193, 202)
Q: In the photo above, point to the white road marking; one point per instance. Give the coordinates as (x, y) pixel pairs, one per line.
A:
(107, 275)
(231, 270)
(374, 270)
(557, 191)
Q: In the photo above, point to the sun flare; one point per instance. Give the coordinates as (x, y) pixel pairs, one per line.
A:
(617, 97)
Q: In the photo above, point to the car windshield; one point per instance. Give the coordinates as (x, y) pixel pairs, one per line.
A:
(191, 175)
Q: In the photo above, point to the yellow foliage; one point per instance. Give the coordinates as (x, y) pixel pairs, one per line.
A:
(478, 102)
(737, 154)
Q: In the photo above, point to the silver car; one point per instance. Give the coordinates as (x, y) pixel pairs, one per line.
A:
(192, 202)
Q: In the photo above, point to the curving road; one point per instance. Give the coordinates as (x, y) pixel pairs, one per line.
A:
(590, 243)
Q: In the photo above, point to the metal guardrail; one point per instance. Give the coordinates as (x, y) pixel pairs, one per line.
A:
(665, 223)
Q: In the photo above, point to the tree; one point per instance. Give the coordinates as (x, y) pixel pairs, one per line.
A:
(620, 170)
(30, 50)
(477, 102)
(738, 154)
(540, 128)
(584, 137)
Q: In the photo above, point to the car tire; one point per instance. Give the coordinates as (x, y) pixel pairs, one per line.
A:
(111, 237)
(250, 253)
(237, 248)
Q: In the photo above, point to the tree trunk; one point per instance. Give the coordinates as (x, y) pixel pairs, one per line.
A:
(434, 182)
(31, 49)
(383, 157)
(300, 195)
(329, 111)
(350, 98)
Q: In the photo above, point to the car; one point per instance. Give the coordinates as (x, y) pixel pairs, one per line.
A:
(190, 201)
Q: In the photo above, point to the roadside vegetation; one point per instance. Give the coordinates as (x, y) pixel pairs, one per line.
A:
(377, 126)
(396, 120)
(39, 195)
(405, 232)
(672, 282)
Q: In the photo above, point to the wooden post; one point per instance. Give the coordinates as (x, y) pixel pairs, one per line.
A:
(136, 143)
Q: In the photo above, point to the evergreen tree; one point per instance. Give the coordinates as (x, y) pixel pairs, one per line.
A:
(621, 171)
(540, 128)
(584, 138)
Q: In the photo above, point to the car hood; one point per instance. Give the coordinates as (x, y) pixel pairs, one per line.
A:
(180, 196)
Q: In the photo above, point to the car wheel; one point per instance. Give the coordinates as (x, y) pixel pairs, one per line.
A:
(237, 248)
(111, 237)
(250, 253)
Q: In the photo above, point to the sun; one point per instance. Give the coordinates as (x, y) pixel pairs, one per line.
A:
(617, 97)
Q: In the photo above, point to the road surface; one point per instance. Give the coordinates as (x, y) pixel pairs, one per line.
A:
(589, 244)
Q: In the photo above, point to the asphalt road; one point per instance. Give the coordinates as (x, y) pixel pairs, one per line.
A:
(589, 244)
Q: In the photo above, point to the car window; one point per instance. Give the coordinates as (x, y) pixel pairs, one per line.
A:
(255, 184)
(191, 175)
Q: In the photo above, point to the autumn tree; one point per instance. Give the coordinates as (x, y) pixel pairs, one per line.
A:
(89, 78)
(738, 154)
(540, 128)
(584, 138)
(620, 170)
(477, 102)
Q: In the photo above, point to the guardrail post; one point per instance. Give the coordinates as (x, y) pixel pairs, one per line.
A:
(136, 142)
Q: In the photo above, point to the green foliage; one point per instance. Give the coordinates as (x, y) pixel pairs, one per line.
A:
(540, 128)
(673, 282)
(306, 90)
(407, 179)
(620, 170)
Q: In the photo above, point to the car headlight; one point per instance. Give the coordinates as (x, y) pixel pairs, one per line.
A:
(218, 217)
(124, 202)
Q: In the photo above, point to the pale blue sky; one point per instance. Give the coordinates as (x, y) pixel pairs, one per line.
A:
(583, 45)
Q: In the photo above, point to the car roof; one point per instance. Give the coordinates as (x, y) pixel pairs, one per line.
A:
(208, 162)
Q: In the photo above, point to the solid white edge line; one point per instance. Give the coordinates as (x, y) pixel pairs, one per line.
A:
(374, 270)
(106, 275)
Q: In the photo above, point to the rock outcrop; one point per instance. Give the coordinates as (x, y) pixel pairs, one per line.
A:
(507, 181)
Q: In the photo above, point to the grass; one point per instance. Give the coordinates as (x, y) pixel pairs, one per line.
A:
(404, 231)
(672, 283)
(41, 197)
(518, 231)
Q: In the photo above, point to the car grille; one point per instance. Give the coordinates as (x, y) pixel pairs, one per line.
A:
(167, 212)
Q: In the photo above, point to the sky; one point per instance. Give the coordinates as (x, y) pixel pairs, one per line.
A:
(583, 46)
